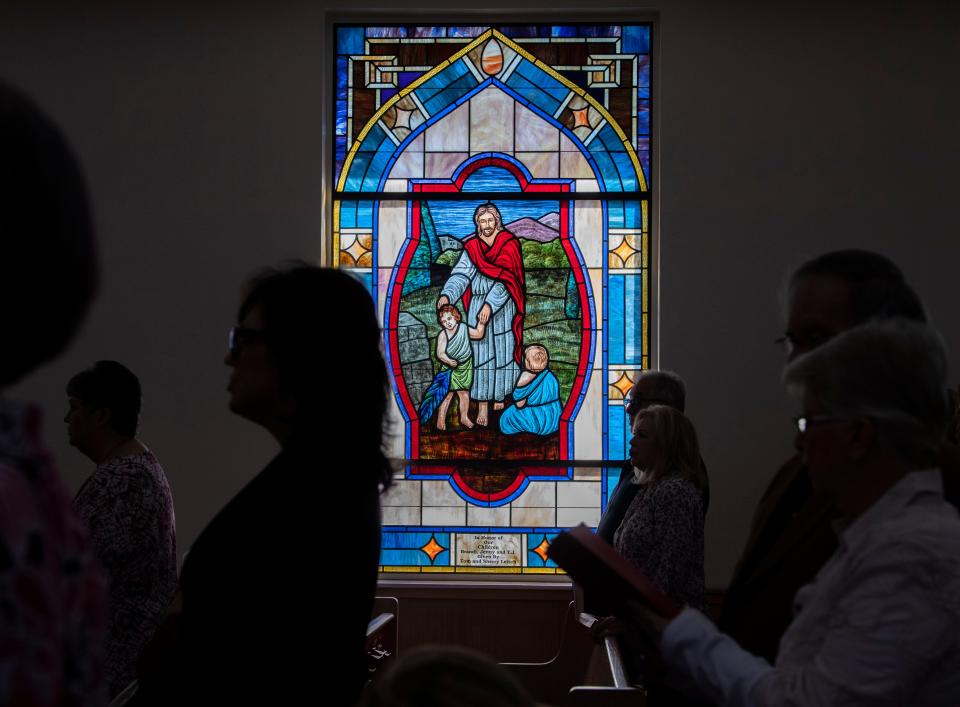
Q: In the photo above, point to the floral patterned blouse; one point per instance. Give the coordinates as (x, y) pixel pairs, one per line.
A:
(662, 534)
(52, 592)
(128, 508)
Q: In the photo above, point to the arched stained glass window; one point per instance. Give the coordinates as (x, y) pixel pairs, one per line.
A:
(493, 191)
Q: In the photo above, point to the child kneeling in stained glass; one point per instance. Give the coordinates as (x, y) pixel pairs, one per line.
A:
(536, 407)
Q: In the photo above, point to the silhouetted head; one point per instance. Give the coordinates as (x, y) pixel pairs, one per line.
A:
(113, 386)
(656, 388)
(841, 289)
(446, 676)
(48, 264)
(664, 443)
(306, 357)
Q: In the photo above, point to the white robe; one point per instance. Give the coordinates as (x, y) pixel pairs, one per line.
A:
(495, 371)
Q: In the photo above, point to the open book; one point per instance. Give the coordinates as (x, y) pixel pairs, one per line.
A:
(603, 572)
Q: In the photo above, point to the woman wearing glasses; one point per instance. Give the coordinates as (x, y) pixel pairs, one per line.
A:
(278, 589)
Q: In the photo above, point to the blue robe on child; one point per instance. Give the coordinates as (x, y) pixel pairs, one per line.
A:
(541, 414)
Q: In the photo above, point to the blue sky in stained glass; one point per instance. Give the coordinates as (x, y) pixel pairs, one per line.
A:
(456, 218)
(491, 178)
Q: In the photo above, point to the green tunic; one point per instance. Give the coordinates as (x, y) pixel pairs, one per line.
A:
(459, 349)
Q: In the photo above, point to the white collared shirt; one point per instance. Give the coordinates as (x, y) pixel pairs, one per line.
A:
(880, 623)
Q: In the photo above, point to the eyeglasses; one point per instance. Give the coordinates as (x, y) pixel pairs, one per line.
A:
(804, 422)
(805, 340)
(239, 336)
(630, 409)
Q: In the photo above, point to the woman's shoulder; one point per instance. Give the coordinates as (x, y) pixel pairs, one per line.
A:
(676, 487)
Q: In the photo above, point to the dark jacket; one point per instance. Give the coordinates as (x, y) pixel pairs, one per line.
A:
(278, 589)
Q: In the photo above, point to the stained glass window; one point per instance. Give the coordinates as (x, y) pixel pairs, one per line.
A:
(492, 189)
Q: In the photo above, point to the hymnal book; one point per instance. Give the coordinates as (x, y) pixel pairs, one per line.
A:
(604, 572)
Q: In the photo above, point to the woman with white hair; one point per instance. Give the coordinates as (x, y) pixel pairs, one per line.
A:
(880, 622)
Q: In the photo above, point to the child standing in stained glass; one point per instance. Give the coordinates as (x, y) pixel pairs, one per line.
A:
(536, 405)
(455, 352)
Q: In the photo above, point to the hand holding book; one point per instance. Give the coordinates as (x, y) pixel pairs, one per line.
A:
(603, 572)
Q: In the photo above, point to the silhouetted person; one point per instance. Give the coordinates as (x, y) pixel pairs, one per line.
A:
(446, 676)
(278, 589)
(662, 530)
(127, 506)
(879, 623)
(792, 535)
(52, 594)
(650, 388)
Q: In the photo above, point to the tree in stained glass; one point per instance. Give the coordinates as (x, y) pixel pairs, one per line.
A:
(492, 191)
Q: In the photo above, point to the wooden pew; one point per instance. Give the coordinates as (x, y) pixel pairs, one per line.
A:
(581, 673)
(381, 643)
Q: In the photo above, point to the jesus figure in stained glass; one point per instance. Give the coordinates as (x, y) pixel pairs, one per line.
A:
(489, 279)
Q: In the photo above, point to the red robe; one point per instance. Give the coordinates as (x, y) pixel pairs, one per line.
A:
(503, 262)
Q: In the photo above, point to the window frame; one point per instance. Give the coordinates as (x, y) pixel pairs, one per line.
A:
(329, 194)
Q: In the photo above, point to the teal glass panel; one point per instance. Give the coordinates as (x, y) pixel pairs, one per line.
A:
(364, 214)
(615, 318)
(348, 214)
(349, 40)
(628, 175)
(632, 334)
(610, 140)
(607, 167)
(450, 95)
(633, 215)
(615, 216)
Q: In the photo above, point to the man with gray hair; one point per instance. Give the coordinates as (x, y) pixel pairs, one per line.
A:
(792, 536)
(650, 388)
(879, 622)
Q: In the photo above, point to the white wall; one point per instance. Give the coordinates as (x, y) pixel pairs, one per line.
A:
(785, 130)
